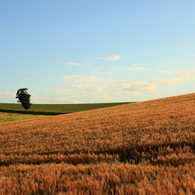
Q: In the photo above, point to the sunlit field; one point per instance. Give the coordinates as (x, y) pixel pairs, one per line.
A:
(139, 148)
(15, 112)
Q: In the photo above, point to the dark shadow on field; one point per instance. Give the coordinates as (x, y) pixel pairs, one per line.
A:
(31, 112)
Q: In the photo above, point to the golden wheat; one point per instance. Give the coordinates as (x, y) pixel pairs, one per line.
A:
(140, 148)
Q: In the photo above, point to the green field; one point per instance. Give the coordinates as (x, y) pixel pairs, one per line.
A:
(15, 112)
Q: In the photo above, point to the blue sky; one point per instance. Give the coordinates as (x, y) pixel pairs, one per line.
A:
(96, 51)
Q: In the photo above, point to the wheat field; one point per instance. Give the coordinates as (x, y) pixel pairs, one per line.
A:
(140, 149)
(15, 112)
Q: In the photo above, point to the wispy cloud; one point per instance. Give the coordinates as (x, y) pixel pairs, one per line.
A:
(110, 95)
(187, 75)
(190, 75)
(92, 88)
(32, 76)
(65, 90)
(137, 86)
(61, 54)
(86, 57)
(137, 65)
(7, 95)
(36, 98)
(96, 70)
(99, 68)
(116, 57)
(137, 69)
(72, 63)
(108, 88)
(69, 63)
(104, 88)
(109, 57)
(171, 81)
(89, 79)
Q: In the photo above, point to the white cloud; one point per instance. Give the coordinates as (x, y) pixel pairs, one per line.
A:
(89, 79)
(99, 68)
(70, 63)
(36, 98)
(88, 65)
(31, 76)
(172, 81)
(81, 89)
(137, 69)
(116, 57)
(60, 101)
(95, 70)
(72, 78)
(109, 88)
(113, 89)
(65, 90)
(137, 86)
(86, 57)
(190, 75)
(93, 88)
(187, 75)
(7, 95)
(104, 96)
(137, 64)
(166, 71)
(150, 88)
(110, 95)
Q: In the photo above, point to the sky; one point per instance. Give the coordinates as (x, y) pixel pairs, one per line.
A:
(89, 51)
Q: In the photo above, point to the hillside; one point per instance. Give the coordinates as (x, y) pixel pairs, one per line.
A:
(15, 112)
(139, 148)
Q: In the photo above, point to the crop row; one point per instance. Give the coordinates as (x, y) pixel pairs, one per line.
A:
(161, 156)
(97, 179)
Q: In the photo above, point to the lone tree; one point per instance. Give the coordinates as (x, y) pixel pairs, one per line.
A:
(23, 98)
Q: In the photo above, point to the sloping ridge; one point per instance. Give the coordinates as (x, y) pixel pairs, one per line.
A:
(175, 101)
(122, 133)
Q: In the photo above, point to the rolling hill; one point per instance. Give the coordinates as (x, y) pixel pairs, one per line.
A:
(140, 148)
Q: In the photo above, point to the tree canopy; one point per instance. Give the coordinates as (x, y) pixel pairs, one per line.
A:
(23, 98)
